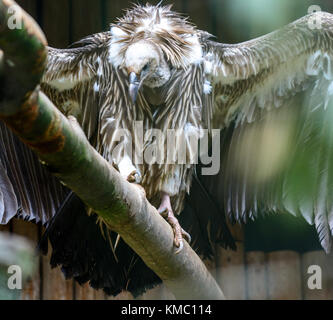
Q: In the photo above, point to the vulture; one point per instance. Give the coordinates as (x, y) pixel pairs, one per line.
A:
(265, 103)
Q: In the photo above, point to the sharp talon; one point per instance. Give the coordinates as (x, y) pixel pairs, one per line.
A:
(164, 212)
(186, 236)
(115, 166)
(180, 248)
(176, 241)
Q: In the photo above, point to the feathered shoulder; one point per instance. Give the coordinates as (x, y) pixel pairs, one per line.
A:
(78, 61)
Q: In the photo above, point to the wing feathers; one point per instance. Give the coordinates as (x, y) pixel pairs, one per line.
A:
(78, 62)
(8, 201)
(279, 156)
(264, 72)
(28, 190)
(74, 79)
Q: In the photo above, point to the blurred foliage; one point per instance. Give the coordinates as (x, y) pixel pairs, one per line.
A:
(240, 20)
(15, 250)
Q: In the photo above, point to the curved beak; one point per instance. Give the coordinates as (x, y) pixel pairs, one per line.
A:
(134, 86)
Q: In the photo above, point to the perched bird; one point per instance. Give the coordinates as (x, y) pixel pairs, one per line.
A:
(157, 70)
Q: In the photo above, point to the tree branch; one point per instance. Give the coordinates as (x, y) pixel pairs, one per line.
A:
(63, 148)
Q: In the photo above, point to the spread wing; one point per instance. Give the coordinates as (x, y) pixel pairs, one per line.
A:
(272, 97)
(73, 81)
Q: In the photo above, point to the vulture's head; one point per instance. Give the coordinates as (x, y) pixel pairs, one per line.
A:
(146, 65)
(150, 41)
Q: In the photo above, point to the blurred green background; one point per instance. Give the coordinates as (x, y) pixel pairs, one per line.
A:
(65, 21)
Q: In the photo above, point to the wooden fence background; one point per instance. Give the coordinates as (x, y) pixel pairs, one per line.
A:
(242, 275)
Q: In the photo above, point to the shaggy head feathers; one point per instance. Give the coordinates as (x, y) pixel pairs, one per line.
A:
(172, 33)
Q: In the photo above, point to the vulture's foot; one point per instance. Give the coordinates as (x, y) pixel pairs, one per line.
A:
(134, 177)
(166, 212)
(127, 170)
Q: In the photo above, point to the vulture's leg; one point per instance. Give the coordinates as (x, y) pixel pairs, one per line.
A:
(166, 212)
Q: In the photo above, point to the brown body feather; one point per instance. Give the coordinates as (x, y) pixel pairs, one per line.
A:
(102, 112)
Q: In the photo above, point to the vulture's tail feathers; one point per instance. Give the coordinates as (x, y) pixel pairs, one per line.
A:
(66, 206)
(84, 254)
